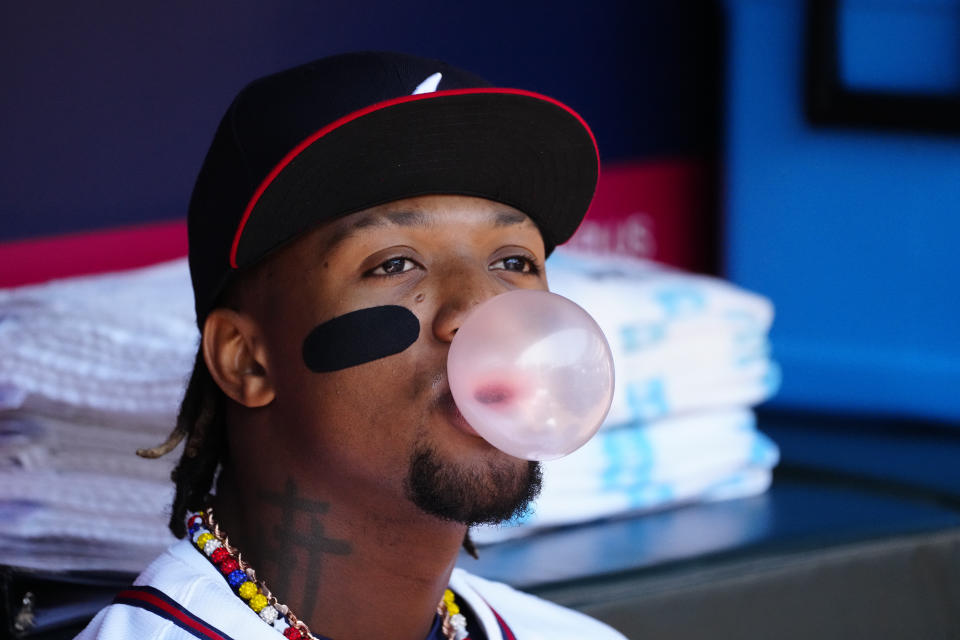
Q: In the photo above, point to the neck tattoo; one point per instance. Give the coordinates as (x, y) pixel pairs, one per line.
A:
(213, 542)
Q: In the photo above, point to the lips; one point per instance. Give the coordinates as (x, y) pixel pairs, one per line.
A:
(494, 394)
(449, 408)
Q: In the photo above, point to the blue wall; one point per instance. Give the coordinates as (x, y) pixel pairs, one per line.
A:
(853, 233)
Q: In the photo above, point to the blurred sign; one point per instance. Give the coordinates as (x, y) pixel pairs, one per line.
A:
(655, 211)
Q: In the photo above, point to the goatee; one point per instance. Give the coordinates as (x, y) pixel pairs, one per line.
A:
(493, 494)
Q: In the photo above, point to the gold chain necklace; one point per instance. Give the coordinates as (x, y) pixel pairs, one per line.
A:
(213, 542)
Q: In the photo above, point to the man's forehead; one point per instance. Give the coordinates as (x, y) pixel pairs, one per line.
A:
(422, 213)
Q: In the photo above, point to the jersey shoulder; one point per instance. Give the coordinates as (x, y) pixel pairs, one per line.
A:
(533, 618)
(179, 590)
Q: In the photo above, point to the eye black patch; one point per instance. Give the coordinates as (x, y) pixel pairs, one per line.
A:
(359, 337)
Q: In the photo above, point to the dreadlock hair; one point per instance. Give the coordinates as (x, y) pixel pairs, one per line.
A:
(202, 419)
(202, 422)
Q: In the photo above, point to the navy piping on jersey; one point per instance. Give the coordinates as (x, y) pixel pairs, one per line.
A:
(159, 603)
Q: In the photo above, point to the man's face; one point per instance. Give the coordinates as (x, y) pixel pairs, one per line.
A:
(388, 428)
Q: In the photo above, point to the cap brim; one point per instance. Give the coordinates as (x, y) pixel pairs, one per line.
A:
(515, 147)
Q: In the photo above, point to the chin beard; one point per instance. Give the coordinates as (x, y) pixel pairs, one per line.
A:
(488, 495)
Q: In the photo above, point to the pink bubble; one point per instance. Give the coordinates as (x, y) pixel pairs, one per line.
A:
(532, 373)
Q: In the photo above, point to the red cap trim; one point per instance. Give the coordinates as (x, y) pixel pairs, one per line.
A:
(287, 159)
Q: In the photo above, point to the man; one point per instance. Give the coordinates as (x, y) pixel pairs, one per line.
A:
(349, 214)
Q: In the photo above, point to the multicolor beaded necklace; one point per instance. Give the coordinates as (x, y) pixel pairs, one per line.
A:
(215, 545)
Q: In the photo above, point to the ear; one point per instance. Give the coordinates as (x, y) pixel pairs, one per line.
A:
(236, 357)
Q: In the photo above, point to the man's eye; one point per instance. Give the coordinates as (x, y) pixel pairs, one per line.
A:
(515, 263)
(393, 265)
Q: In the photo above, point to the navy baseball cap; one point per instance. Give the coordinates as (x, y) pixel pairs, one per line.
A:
(352, 131)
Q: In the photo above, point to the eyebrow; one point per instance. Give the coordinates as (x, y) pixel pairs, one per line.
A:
(345, 230)
(402, 218)
(509, 218)
(390, 218)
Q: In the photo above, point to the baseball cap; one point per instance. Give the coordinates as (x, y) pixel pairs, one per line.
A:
(352, 131)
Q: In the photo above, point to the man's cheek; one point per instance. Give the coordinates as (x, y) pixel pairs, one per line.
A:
(360, 337)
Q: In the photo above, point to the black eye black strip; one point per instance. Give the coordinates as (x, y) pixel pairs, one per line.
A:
(359, 337)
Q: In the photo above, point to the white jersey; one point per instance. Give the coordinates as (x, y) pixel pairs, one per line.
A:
(182, 596)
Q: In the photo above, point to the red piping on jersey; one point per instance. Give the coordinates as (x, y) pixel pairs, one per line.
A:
(507, 632)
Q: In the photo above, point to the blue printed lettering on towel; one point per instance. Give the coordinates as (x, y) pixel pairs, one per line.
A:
(644, 496)
(772, 379)
(752, 354)
(638, 453)
(747, 325)
(749, 422)
(614, 454)
(629, 457)
(647, 399)
(638, 337)
(763, 453)
(680, 300)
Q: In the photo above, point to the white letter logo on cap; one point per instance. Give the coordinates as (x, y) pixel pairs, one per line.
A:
(429, 85)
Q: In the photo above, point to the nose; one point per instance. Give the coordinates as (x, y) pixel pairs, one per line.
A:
(463, 289)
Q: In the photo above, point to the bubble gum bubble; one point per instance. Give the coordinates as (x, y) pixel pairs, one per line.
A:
(532, 373)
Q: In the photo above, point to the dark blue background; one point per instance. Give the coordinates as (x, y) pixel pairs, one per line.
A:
(107, 108)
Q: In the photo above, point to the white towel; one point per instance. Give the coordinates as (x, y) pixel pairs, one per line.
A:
(647, 399)
(647, 498)
(680, 342)
(643, 468)
(115, 347)
(661, 450)
(634, 292)
(66, 554)
(33, 443)
(85, 492)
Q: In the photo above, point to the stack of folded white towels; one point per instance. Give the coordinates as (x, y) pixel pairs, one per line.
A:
(93, 368)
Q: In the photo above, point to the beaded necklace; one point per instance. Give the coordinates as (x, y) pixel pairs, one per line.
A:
(213, 542)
